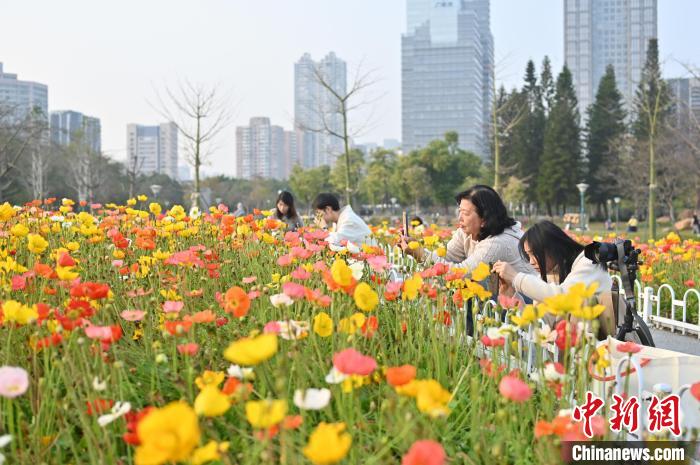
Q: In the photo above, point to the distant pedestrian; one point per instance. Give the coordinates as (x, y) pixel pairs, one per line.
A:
(240, 210)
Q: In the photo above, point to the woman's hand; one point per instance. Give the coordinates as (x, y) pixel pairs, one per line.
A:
(505, 271)
(418, 253)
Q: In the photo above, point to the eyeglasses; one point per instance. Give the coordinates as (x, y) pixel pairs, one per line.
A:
(319, 215)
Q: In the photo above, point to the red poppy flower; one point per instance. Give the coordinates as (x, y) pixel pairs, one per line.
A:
(424, 452)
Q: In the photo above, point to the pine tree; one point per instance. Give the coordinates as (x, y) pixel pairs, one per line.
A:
(560, 162)
(547, 89)
(533, 131)
(606, 126)
(652, 106)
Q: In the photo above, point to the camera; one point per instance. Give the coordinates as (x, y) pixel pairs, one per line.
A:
(603, 252)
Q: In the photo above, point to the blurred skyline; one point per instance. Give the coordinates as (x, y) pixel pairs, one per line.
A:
(105, 60)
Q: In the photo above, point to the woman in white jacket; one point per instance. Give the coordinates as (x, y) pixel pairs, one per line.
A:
(558, 259)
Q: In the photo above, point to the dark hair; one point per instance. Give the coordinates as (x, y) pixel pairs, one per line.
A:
(324, 200)
(489, 207)
(288, 199)
(418, 220)
(560, 248)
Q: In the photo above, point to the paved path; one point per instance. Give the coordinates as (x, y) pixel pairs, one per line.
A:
(665, 339)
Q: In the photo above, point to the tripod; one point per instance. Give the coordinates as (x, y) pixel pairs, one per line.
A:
(633, 324)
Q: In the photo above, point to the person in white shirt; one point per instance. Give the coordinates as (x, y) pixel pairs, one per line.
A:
(348, 225)
(558, 259)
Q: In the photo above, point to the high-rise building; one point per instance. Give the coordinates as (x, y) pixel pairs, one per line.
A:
(69, 126)
(20, 98)
(260, 150)
(446, 73)
(685, 94)
(598, 33)
(153, 149)
(316, 109)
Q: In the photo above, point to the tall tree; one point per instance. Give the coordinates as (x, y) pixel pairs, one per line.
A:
(528, 137)
(446, 166)
(508, 111)
(376, 184)
(605, 128)
(560, 164)
(652, 105)
(342, 179)
(547, 87)
(200, 113)
(342, 104)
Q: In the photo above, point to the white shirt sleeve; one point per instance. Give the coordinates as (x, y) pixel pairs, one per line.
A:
(582, 271)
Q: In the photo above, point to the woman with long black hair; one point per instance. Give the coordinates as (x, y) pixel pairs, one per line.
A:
(558, 259)
(285, 211)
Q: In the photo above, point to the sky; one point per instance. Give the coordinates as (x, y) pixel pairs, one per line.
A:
(106, 59)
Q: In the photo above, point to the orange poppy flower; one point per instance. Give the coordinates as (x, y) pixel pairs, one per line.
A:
(236, 302)
(398, 376)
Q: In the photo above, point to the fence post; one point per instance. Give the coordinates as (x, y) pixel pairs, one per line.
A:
(646, 304)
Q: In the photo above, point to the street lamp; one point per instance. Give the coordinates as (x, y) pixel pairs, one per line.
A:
(582, 189)
(156, 188)
(393, 204)
(617, 212)
(609, 222)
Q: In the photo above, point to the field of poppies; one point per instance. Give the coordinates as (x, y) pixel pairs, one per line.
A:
(131, 334)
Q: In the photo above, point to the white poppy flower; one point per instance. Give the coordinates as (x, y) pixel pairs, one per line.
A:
(358, 268)
(120, 409)
(279, 300)
(312, 399)
(335, 377)
(5, 439)
(352, 248)
(551, 373)
(335, 247)
(235, 371)
(98, 385)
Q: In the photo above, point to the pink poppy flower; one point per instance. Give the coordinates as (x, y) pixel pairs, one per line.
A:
(249, 279)
(133, 315)
(14, 381)
(695, 390)
(294, 290)
(514, 389)
(629, 347)
(98, 332)
(378, 263)
(314, 248)
(394, 287)
(352, 362)
(189, 348)
(284, 260)
(320, 266)
(495, 342)
(117, 263)
(301, 274)
(173, 306)
(291, 236)
(425, 452)
(509, 302)
(272, 327)
(300, 252)
(253, 295)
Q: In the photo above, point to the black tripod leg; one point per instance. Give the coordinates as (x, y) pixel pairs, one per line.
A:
(470, 318)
